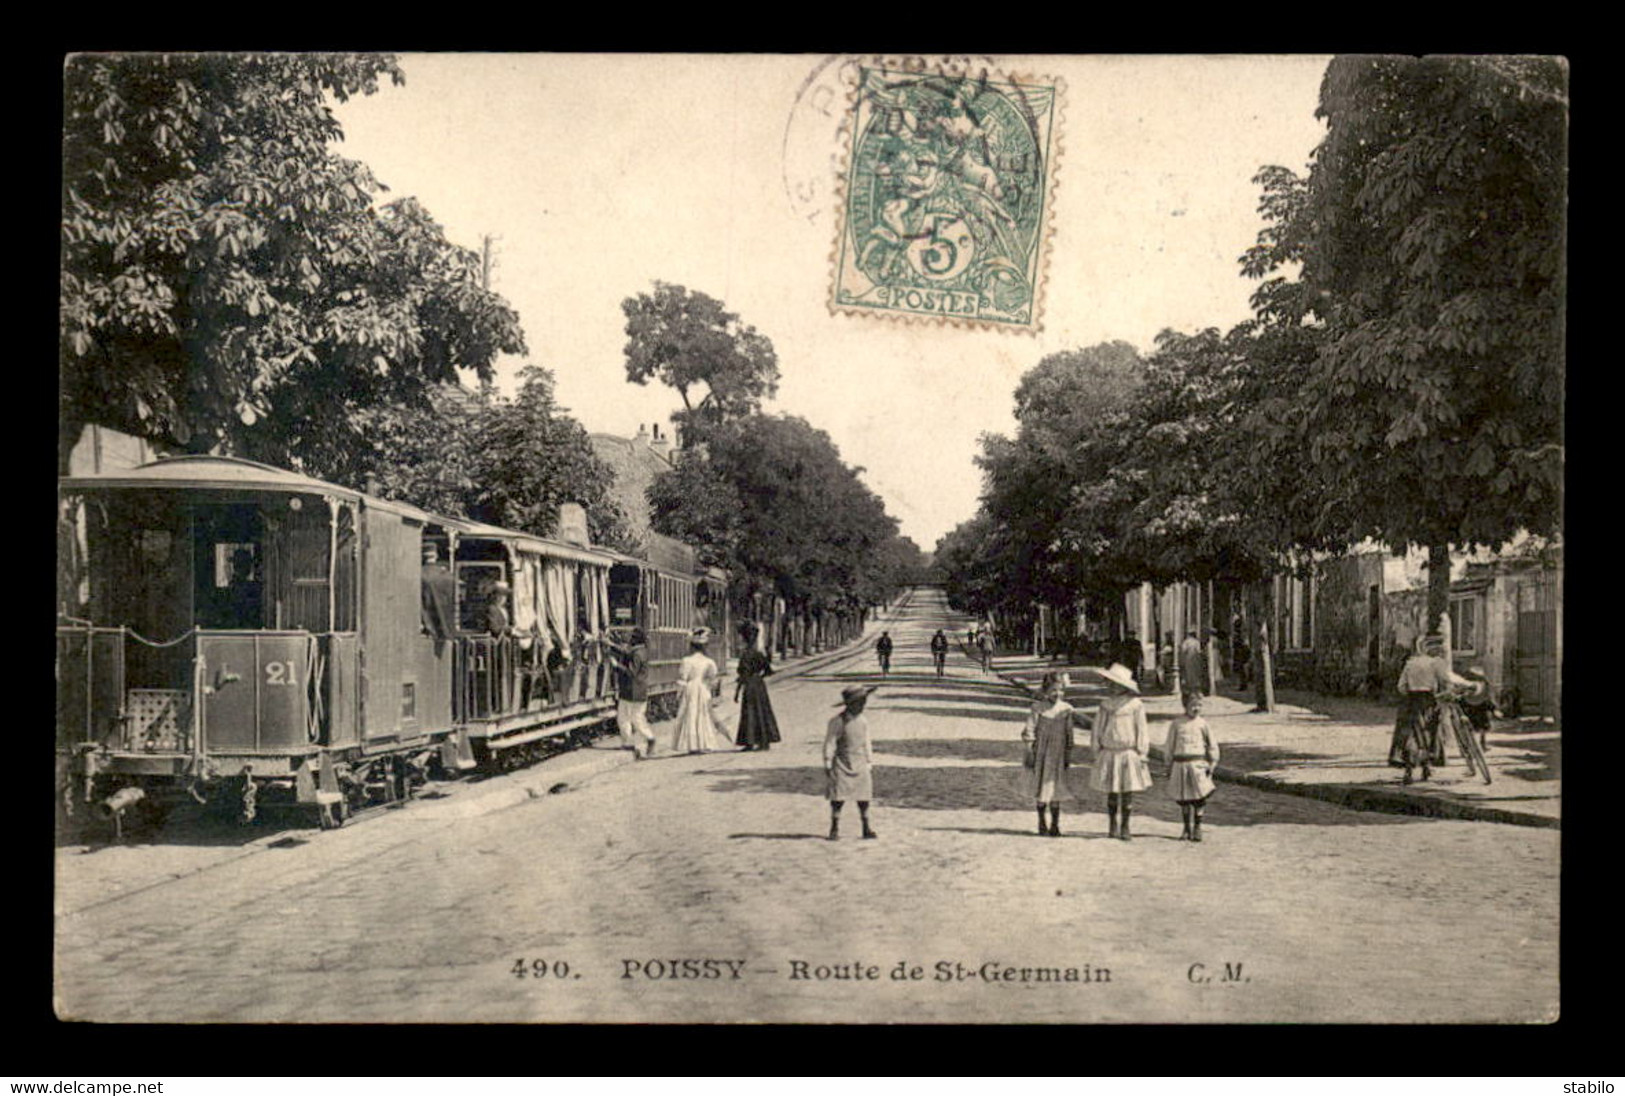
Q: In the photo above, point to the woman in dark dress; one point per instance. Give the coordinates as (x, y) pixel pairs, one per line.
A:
(757, 728)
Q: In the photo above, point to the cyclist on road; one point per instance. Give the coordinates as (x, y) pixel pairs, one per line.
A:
(939, 651)
(883, 649)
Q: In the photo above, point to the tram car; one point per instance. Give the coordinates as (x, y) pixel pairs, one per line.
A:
(246, 635)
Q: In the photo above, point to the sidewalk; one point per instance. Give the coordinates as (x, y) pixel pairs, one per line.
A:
(1340, 752)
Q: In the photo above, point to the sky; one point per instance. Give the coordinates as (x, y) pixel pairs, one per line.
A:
(601, 174)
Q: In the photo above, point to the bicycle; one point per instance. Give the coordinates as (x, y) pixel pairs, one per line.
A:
(1449, 708)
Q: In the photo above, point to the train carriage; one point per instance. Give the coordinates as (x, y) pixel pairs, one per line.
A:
(669, 595)
(245, 634)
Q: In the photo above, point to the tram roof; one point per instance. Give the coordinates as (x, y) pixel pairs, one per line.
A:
(217, 473)
(207, 472)
(534, 543)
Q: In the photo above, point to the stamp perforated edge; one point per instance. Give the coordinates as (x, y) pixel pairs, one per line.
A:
(848, 135)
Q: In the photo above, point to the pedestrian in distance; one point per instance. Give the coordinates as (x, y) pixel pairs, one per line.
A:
(1192, 667)
(1243, 656)
(984, 647)
(631, 663)
(1191, 754)
(696, 731)
(1048, 740)
(939, 651)
(758, 729)
(1121, 740)
(1417, 742)
(848, 761)
(883, 649)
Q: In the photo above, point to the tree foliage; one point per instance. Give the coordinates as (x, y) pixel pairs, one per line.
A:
(1049, 493)
(226, 278)
(511, 463)
(769, 499)
(1430, 236)
(1402, 379)
(686, 339)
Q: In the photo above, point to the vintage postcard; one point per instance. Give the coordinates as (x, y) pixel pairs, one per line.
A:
(759, 539)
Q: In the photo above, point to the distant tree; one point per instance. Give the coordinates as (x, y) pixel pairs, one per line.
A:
(696, 503)
(226, 280)
(1047, 491)
(686, 339)
(1430, 235)
(533, 457)
(429, 455)
(770, 499)
(1061, 399)
(473, 454)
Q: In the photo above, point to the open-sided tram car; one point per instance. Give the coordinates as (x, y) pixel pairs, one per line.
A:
(243, 634)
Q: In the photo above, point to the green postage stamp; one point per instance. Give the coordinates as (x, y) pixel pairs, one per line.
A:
(946, 202)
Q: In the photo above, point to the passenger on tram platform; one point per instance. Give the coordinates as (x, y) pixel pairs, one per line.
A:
(439, 594)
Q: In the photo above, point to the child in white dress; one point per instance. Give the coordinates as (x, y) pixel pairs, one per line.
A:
(1192, 753)
(1121, 741)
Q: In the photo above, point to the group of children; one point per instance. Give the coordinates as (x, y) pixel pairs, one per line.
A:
(1121, 739)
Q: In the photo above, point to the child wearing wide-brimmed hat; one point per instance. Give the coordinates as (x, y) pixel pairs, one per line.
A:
(1121, 740)
(847, 759)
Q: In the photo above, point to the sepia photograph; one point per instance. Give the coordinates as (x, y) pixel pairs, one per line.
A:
(1117, 499)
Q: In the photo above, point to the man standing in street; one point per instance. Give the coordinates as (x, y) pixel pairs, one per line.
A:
(632, 693)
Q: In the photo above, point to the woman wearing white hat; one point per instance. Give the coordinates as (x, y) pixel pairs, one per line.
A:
(1122, 741)
(696, 674)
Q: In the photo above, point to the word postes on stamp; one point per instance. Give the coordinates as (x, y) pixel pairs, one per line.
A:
(945, 205)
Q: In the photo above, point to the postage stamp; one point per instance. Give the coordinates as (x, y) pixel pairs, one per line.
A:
(946, 196)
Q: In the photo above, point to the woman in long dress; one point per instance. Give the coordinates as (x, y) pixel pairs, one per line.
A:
(1122, 742)
(1048, 735)
(758, 729)
(696, 674)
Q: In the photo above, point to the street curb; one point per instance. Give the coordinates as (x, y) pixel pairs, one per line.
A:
(1360, 798)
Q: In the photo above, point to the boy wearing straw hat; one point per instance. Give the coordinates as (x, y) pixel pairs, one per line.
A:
(847, 759)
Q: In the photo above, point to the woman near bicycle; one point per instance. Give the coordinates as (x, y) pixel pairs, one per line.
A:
(1416, 741)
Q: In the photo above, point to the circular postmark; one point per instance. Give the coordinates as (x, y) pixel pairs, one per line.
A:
(817, 132)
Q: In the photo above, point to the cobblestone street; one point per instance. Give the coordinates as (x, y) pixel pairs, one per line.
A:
(611, 895)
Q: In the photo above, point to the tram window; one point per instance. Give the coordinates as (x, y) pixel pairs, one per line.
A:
(230, 566)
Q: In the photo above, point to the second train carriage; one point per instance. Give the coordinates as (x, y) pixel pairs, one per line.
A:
(236, 631)
(669, 595)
